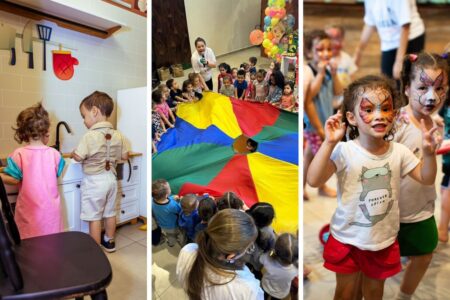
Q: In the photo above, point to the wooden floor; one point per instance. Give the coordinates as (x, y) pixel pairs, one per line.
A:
(317, 16)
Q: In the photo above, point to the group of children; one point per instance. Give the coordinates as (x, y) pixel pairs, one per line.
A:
(182, 219)
(249, 84)
(35, 168)
(246, 83)
(381, 214)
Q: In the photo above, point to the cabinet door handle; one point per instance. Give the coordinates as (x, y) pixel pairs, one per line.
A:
(122, 211)
(123, 195)
(78, 185)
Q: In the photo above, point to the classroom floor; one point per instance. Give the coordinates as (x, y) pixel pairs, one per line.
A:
(321, 282)
(129, 264)
(164, 259)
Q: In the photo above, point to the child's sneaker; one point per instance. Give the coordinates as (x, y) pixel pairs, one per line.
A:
(109, 246)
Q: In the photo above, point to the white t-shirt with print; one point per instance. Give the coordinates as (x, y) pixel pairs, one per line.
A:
(416, 202)
(277, 279)
(367, 215)
(389, 16)
(243, 287)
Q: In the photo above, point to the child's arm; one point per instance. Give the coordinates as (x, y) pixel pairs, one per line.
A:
(322, 167)
(364, 40)
(425, 171)
(235, 93)
(163, 117)
(75, 156)
(180, 99)
(337, 85)
(9, 179)
(316, 83)
(311, 113)
(172, 117)
(202, 81)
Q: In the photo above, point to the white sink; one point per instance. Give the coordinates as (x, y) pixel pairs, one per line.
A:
(72, 172)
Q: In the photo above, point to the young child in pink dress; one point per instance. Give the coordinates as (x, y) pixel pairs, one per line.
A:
(287, 100)
(35, 168)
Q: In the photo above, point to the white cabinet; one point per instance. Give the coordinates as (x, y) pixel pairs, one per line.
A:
(129, 186)
(71, 205)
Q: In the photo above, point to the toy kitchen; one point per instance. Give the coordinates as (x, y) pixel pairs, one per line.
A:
(59, 52)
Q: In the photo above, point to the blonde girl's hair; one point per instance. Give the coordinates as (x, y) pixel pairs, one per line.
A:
(230, 231)
(33, 123)
(358, 87)
(412, 63)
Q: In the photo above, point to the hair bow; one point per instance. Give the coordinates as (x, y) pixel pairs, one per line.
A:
(412, 57)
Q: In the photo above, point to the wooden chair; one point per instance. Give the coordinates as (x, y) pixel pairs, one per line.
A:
(62, 265)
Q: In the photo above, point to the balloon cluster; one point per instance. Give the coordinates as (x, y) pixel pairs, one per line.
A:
(276, 25)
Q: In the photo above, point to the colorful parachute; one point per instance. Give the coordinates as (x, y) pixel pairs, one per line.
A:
(197, 156)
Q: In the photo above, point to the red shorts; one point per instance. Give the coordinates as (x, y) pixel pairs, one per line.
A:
(347, 259)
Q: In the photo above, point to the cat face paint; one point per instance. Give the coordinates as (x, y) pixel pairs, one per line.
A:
(376, 104)
(429, 88)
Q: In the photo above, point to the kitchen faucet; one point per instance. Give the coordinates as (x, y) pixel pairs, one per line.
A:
(57, 143)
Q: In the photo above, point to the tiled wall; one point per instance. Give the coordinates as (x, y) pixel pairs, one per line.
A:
(104, 64)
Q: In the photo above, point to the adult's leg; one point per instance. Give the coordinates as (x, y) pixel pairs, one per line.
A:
(345, 286)
(372, 289)
(414, 272)
(416, 45)
(209, 83)
(387, 62)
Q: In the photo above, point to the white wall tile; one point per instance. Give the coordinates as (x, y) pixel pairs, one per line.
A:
(104, 64)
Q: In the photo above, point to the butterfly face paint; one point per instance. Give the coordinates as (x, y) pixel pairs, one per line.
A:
(427, 91)
(376, 104)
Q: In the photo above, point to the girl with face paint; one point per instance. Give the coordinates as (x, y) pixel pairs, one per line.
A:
(369, 167)
(424, 87)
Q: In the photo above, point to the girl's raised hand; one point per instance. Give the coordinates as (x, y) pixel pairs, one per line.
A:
(431, 141)
(334, 128)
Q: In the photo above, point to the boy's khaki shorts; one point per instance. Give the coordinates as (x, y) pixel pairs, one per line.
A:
(98, 196)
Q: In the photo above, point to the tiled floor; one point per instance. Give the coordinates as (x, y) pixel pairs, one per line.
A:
(129, 264)
(164, 259)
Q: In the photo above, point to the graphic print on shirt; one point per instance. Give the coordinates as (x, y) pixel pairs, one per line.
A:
(376, 196)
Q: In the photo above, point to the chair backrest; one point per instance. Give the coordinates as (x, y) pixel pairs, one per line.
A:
(7, 211)
(7, 256)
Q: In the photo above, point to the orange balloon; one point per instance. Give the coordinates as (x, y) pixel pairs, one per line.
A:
(256, 37)
(270, 35)
(267, 11)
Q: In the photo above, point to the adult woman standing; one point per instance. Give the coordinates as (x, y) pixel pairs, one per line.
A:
(203, 60)
(214, 266)
(400, 28)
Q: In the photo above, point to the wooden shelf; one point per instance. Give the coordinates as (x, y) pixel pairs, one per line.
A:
(133, 7)
(64, 16)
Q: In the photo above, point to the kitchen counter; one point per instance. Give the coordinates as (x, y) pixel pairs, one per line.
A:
(131, 154)
(68, 160)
